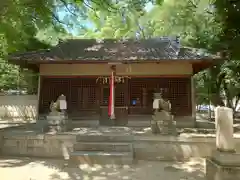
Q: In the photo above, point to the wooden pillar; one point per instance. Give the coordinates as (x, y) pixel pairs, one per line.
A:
(144, 97)
(126, 93)
(38, 96)
(193, 99)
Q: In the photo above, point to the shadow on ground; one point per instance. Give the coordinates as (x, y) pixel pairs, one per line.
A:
(51, 169)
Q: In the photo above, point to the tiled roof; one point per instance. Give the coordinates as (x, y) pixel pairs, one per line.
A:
(112, 50)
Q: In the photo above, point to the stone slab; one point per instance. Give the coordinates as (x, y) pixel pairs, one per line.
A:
(214, 171)
(226, 158)
(24, 142)
(60, 136)
(103, 146)
(32, 135)
(91, 158)
(104, 138)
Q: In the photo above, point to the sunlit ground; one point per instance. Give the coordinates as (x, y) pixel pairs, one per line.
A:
(45, 169)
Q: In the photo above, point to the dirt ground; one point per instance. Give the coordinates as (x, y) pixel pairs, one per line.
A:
(49, 169)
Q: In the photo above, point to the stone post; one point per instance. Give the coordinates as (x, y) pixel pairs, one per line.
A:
(224, 129)
(224, 163)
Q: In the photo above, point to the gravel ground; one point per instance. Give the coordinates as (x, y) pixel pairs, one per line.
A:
(49, 169)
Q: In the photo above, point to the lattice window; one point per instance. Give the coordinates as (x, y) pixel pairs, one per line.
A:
(179, 95)
(88, 96)
(177, 90)
(51, 89)
(81, 93)
(105, 96)
(136, 91)
(119, 96)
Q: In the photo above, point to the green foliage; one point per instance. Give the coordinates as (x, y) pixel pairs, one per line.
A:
(20, 22)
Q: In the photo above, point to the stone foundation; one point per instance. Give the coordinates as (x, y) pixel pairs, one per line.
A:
(224, 162)
(34, 145)
(185, 122)
(144, 147)
(154, 147)
(216, 171)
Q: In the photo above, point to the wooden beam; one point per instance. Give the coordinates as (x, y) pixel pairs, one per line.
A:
(131, 76)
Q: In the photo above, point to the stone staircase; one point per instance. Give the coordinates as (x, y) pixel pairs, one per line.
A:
(102, 149)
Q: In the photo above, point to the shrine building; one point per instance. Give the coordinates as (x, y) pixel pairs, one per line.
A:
(81, 70)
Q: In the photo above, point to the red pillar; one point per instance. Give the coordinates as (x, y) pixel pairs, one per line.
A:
(111, 104)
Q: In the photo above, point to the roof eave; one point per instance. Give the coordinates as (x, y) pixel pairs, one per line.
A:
(23, 63)
(205, 64)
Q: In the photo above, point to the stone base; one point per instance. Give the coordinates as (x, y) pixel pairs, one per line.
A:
(58, 122)
(223, 166)
(185, 122)
(226, 158)
(102, 158)
(164, 127)
(217, 171)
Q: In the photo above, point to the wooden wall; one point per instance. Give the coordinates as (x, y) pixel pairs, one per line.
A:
(85, 94)
(141, 69)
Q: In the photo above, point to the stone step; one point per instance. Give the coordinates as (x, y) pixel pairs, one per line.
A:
(91, 158)
(103, 146)
(104, 138)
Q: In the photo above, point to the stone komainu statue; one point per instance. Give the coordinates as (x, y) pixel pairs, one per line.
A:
(162, 119)
(57, 120)
(55, 106)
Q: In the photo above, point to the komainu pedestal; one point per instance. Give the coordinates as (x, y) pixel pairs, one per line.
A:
(162, 119)
(57, 122)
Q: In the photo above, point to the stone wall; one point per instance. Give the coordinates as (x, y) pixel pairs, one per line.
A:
(38, 145)
(175, 148)
(1, 140)
(145, 148)
(18, 108)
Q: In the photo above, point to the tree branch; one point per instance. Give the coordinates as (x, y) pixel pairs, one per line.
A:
(66, 6)
(88, 6)
(109, 6)
(57, 19)
(192, 3)
(141, 29)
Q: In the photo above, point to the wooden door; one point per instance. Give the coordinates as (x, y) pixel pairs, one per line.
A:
(121, 104)
(85, 95)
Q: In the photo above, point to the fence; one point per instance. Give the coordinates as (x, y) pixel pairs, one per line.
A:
(18, 108)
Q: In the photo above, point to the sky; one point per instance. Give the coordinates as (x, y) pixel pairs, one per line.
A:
(62, 13)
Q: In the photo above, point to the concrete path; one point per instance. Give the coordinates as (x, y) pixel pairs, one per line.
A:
(45, 169)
